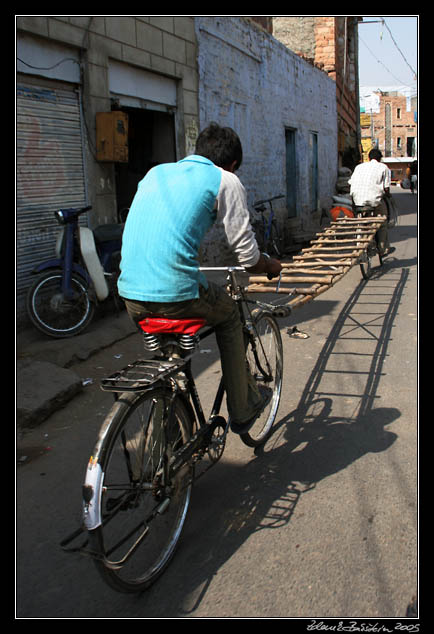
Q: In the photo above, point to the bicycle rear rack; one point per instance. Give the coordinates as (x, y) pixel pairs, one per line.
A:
(142, 374)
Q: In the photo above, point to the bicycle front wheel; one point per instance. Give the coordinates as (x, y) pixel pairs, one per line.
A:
(265, 361)
(141, 508)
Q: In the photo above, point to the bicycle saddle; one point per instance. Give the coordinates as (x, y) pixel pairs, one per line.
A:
(157, 325)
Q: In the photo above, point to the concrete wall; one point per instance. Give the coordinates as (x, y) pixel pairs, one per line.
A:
(254, 84)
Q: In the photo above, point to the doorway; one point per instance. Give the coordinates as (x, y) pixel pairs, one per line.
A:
(313, 170)
(151, 141)
(291, 172)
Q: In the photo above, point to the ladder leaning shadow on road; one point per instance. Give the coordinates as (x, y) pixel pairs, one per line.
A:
(319, 437)
(331, 428)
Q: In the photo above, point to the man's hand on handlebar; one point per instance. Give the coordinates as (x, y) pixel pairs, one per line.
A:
(267, 265)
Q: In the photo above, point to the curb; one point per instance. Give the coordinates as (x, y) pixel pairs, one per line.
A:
(45, 381)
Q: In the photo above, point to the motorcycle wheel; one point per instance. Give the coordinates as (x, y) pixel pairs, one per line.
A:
(52, 313)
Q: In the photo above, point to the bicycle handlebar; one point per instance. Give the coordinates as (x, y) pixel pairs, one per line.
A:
(268, 200)
(223, 268)
(277, 311)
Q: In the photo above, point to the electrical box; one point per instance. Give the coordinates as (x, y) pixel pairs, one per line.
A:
(112, 136)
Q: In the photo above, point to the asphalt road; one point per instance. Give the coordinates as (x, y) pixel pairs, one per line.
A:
(320, 523)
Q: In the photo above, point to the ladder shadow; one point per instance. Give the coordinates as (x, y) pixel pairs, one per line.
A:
(307, 445)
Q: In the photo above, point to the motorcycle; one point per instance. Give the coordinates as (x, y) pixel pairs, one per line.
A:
(61, 302)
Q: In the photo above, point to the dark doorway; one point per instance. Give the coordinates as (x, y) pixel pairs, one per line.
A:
(291, 172)
(151, 141)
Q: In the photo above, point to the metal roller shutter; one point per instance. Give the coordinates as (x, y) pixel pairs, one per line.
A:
(50, 173)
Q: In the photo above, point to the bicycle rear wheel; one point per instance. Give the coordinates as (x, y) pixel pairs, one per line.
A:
(264, 356)
(141, 510)
(366, 265)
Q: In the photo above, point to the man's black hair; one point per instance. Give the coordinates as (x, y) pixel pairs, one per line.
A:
(220, 145)
(375, 154)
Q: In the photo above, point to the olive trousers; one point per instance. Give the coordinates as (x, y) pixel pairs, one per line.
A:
(220, 311)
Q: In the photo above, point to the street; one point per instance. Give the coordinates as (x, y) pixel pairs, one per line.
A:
(319, 523)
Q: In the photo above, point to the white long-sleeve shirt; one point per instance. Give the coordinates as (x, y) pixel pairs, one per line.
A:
(234, 218)
(368, 182)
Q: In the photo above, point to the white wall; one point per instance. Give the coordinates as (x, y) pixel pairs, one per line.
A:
(254, 84)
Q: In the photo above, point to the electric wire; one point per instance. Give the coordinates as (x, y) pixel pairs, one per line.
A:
(380, 62)
(402, 54)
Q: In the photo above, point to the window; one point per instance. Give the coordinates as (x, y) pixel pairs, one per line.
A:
(398, 113)
(399, 143)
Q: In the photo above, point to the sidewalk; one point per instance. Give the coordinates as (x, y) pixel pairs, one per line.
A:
(45, 378)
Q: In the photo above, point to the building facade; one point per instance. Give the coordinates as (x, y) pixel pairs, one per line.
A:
(389, 122)
(330, 43)
(163, 78)
(284, 110)
(391, 125)
(70, 69)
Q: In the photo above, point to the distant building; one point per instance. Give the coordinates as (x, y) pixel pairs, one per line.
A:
(388, 120)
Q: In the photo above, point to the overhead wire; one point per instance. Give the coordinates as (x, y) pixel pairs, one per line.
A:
(402, 54)
(380, 62)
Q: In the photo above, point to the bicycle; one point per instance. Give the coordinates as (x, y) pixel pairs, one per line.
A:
(266, 228)
(372, 249)
(139, 478)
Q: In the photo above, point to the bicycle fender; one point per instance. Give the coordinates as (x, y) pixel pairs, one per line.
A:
(48, 264)
(92, 490)
(58, 264)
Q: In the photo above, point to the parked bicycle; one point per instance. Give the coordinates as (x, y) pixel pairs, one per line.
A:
(139, 478)
(265, 227)
(61, 302)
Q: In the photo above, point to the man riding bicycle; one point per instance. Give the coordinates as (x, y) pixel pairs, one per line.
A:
(175, 205)
(370, 182)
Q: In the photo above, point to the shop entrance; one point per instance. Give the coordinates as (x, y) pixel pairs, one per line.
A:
(151, 141)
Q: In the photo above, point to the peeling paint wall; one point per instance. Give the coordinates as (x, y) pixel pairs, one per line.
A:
(254, 84)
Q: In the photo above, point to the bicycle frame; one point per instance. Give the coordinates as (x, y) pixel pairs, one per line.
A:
(166, 374)
(184, 365)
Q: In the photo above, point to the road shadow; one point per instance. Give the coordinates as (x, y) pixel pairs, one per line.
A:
(232, 502)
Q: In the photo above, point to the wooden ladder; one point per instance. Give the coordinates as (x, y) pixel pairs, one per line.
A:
(329, 256)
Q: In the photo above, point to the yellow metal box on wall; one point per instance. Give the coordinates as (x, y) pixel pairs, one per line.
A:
(112, 136)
